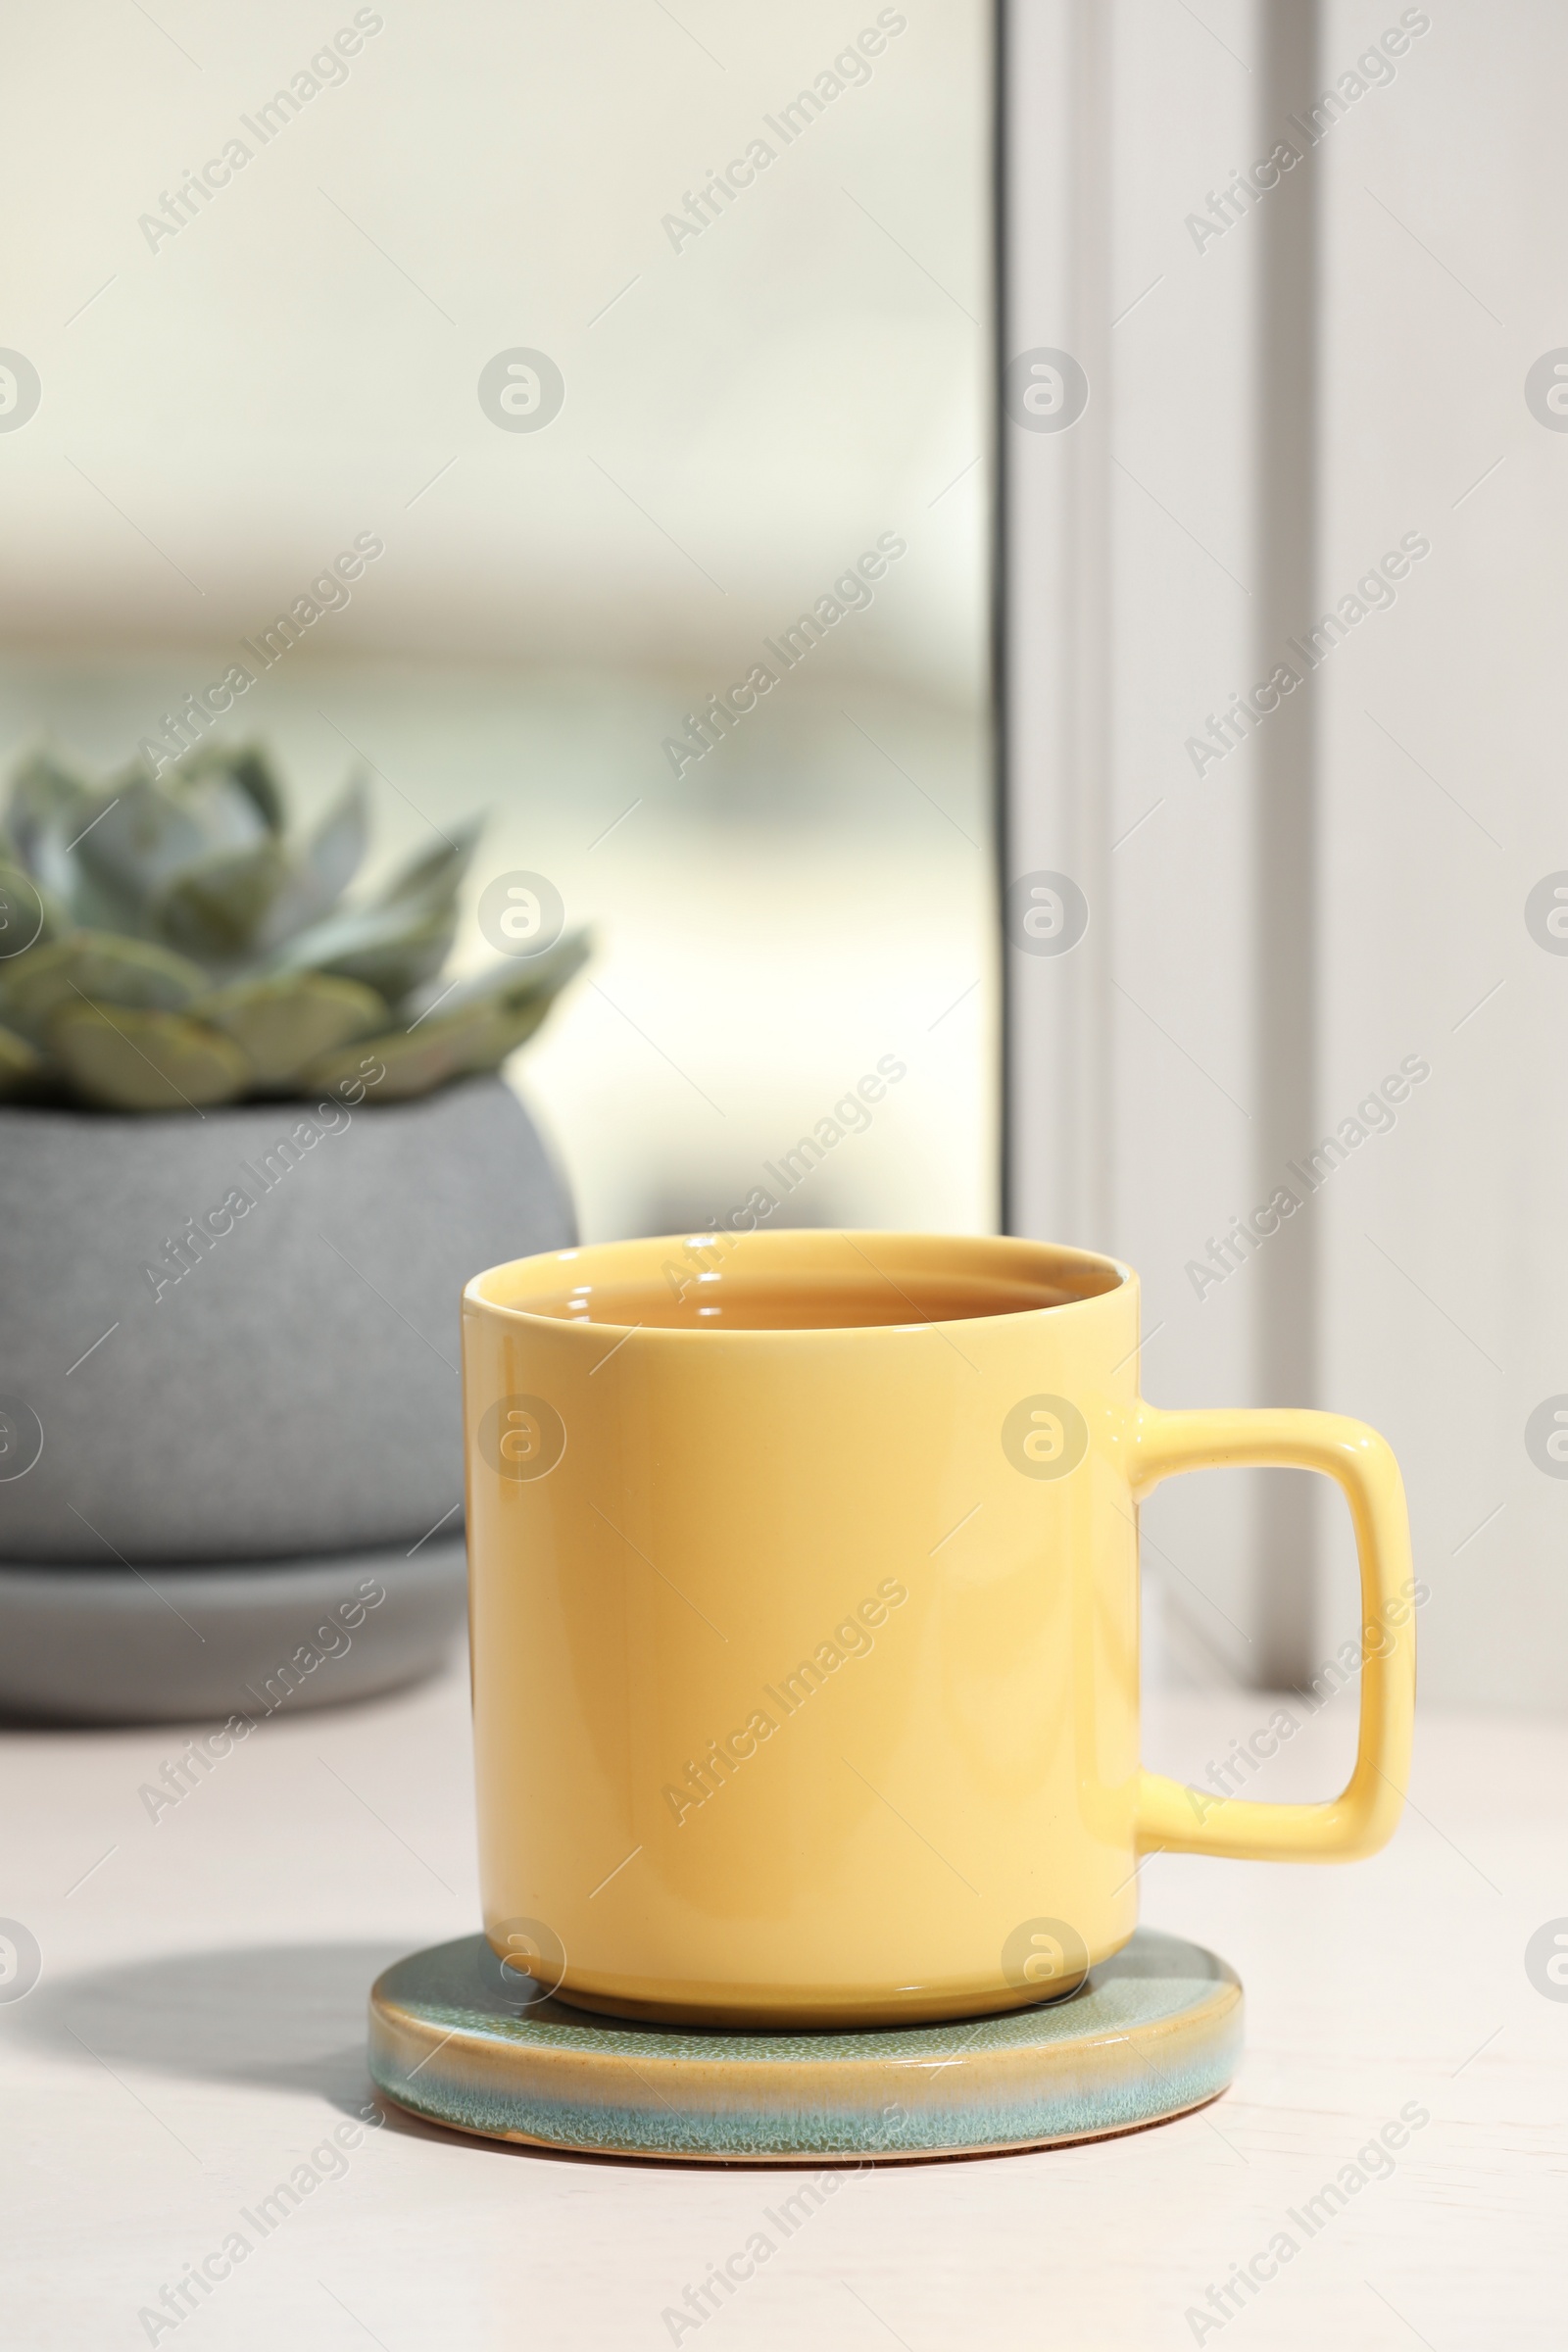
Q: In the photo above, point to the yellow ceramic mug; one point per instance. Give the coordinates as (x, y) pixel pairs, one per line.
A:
(805, 1623)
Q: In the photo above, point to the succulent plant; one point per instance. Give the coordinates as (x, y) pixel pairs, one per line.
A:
(164, 944)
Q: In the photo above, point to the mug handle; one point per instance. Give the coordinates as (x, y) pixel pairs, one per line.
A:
(1176, 1820)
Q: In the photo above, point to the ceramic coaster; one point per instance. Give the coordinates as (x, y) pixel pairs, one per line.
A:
(1150, 2032)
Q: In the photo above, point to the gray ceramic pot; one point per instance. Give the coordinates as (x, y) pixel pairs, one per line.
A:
(286, 1404)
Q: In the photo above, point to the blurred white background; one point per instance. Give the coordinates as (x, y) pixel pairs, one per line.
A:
(1244, 985)
(746, 409)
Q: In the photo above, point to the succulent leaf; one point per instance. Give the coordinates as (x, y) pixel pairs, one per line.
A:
(336, 849)
(139, 839)
(95, 966)
(410, 1064)
(131, 1060)
(218, 909)
(47, 809)
(241, 774)
(432, 878)
(516, 981)
(252, 771)
(283, 1025)
(510, 1026)
(20, 1064)
(390, 949)
(46, 798)
(28, 913)
(314, 881)
(448, 1046)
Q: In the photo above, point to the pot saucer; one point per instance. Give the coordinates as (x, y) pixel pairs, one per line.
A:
(1151, 2032)
(184, 1644)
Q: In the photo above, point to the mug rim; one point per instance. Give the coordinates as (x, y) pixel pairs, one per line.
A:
(795, 1241)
